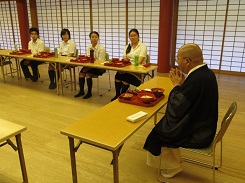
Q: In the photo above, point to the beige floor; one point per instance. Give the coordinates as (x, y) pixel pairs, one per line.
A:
(46, 150)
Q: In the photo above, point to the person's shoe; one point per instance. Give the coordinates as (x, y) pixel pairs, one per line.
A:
(88, 95)
(171, 172)
(114, 98)
(34, 79)
(79, 94)
(52, 86)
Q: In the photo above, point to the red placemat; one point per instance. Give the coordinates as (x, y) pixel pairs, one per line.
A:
(117, 64)
(79, 61)
(136, 101)
(17, 53)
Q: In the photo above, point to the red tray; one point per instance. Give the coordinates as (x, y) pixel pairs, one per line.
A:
(136, 101)
(117, 64)
(79, 61)
(25, 51)
(147, 65)
(17, 53)
(42, 56)
(51, 54)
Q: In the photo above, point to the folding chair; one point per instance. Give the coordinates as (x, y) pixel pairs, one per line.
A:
(109, 78)
(63, 77)
(148, 59)
(4, 62)
(72, 74)
(210, 151)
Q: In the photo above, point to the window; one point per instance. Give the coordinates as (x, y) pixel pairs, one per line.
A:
(218, 28)
(107, 17)
(49, 22)
(111, 18)
(9, 25)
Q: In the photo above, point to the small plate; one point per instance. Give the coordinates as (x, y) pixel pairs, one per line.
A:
(146, 97)
(127, 96)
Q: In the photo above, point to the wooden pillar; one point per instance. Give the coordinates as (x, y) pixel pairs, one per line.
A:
(33, 11)
(165, 35)
(23, 22)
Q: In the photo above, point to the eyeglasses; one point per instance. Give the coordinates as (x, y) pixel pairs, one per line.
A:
(177, 59)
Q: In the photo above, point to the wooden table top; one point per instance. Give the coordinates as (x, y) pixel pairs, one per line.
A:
(28, 56)
(97, 64)
(108, 128)
(100, 65)
(9, 129)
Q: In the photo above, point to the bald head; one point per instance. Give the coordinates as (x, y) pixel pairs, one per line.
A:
(191, 51)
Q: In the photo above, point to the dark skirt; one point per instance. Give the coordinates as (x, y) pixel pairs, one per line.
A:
(98, 72)
(129, 78)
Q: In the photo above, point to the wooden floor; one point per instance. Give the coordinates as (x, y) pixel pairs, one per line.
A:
(46, 150)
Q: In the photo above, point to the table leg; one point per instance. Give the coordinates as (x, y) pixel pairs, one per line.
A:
(61, 78)
(73, 159)
(56, 68)
(70, 70)
(21, 157)
(142, 78)
(155, 119)
(115, 165)
(1, 60)
(74, 78)
(18, 67)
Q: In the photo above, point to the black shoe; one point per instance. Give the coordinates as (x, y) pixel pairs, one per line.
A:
(88, 95)
(34, 79)
(27, 77)
(114, 98)
(52, 86)
(79, 94)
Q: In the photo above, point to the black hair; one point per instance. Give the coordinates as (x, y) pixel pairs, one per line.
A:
(129, 45)
(134, 30)
(34, 29)
(128, 48)
(94, 32)
(64, 31)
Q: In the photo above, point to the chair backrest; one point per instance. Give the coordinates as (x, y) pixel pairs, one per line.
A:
(76, 54)
(148, 59)
(226, 121)
(4, 61)
(47, 49)
(106, 56)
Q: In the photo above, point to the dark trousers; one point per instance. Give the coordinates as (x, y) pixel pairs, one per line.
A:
(34, 67)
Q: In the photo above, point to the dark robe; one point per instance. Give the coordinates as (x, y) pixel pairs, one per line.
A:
(191, 114)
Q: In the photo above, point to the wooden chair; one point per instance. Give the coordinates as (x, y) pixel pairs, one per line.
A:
(211, 150)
